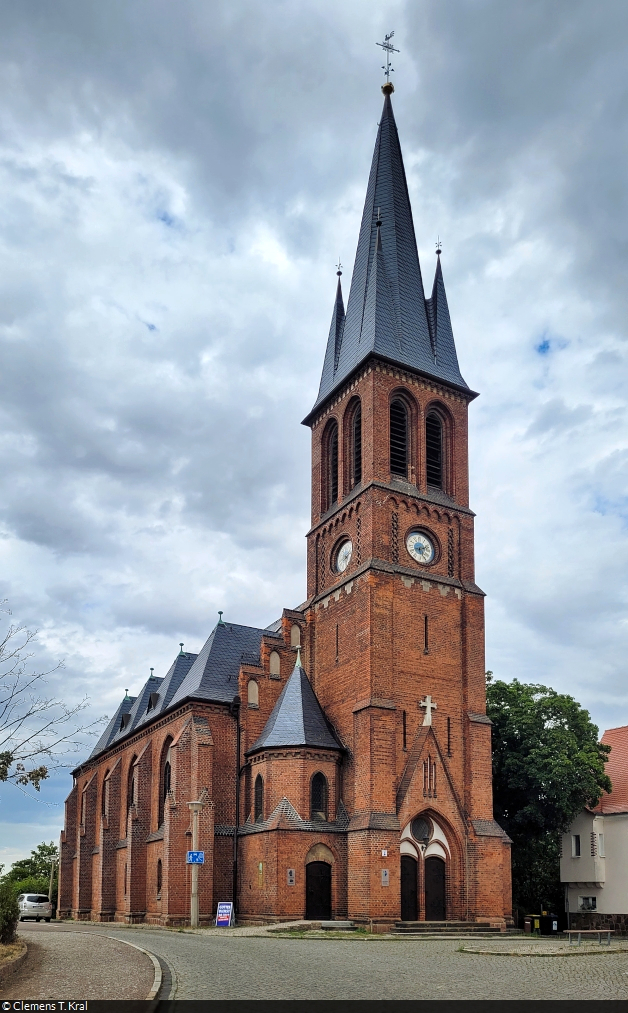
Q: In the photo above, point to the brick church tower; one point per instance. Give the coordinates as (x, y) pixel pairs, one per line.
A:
(356, 782)
(396, 621)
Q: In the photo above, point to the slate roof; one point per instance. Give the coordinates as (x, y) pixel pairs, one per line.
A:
(214, 674)
(112, 728)
(138, 709)
(617, 770)
(169, 686)
(297, 719)
(387, 313)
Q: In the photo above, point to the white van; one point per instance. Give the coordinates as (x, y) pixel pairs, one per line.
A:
(34, 905)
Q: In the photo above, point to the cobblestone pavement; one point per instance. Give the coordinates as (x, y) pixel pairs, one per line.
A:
(75, 965)
(217, 964)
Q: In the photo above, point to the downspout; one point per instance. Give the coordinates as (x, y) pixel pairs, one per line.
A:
(235, 712)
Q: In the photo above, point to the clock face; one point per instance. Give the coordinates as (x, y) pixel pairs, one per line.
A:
(420, 547)
(344, 556)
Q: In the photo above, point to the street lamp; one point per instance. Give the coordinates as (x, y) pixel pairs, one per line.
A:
(195, 808)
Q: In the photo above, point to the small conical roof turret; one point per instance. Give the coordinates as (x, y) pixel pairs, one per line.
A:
(443, 345)
(297, 719)
(332, 351)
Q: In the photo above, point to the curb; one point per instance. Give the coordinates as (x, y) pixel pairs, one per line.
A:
(12, 965)
(154, 992)
(602, 951)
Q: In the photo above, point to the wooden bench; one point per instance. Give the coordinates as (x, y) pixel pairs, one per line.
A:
(590, 932)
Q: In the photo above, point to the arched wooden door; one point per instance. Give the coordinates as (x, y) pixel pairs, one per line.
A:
(318, 891)
(435, 906)
(409, 906)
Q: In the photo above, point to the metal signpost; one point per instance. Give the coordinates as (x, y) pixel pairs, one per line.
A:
(195, 858)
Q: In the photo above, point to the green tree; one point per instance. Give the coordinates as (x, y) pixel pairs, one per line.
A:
(32, 875)
(548, 765)
(36, 866)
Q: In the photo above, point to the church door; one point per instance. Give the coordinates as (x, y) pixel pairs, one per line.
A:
(318, 890)
(408, 889)
(434, 890)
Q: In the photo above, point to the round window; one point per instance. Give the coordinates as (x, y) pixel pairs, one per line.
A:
(421, 830)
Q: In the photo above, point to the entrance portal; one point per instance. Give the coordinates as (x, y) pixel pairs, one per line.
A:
(435, 908)
(409, 910)
(318, 890)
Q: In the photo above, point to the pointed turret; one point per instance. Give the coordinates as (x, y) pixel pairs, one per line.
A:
(334, 340)
(297, 718)
(400, 331)
(443, 345)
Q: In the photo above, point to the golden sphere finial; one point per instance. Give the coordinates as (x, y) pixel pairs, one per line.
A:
(388, 88)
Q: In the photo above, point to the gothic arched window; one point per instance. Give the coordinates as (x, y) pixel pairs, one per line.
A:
(104, 801)
(165, 779)
(259, 798)
(434, 450)
(331, 465)
(398, 438)
(131, 787)
(356, 446)
(275, 663)
(318, 797)
(159, 878)
(252, 693)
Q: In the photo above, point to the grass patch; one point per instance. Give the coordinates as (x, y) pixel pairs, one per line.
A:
(10, 951)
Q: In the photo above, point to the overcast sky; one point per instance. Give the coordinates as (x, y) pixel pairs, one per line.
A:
(177, 181)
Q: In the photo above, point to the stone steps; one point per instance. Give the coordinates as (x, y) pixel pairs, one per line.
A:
(443, 928)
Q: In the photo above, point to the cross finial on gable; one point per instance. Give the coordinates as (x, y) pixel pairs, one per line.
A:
(429, 707)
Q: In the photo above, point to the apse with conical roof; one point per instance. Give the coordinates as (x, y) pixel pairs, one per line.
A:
(387, 313)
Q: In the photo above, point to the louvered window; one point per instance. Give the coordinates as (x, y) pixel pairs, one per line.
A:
(398, 439)
(332, 465)
(357, 445)
(259, 798)
(434, 450)
(319, 795)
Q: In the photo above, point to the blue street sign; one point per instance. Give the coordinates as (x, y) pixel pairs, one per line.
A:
(195, 858)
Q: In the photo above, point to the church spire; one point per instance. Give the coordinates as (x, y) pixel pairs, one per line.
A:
(402, 334)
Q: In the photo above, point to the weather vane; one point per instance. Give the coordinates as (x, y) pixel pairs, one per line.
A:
(388, 48)
(439, 247)
(338, 268)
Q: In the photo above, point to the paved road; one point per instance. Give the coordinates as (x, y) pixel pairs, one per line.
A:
(215, 965)
(78, 965)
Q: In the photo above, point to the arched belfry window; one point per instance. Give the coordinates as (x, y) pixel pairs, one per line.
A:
(356, 446)
(259, 798)
(398, 438)
(318, 797)
(331, 466)
(434, 450)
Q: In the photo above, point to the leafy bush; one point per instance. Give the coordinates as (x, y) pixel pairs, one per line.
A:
(9, 912)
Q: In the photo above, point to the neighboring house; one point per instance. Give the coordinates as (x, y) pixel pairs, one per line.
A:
(594, 859)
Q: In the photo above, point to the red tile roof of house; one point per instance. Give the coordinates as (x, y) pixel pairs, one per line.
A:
(617, 770)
